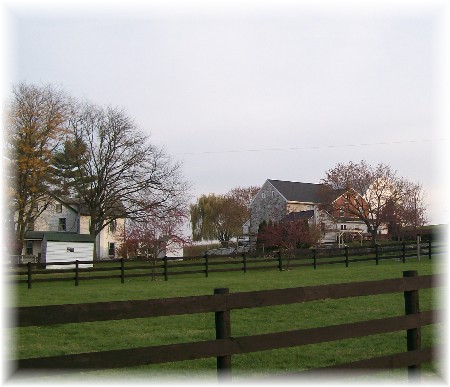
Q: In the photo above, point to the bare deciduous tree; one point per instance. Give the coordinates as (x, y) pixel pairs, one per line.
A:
(408, 213)
(374, 192)
(116, 172)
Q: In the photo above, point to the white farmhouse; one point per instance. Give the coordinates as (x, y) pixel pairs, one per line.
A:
(68, 220)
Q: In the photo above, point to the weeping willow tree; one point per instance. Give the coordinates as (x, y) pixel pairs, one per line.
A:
(210, 219)
(221, 216)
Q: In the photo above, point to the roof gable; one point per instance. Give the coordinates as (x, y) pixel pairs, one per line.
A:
(341, 192)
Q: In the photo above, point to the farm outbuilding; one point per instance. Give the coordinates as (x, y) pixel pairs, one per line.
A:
(66, 247)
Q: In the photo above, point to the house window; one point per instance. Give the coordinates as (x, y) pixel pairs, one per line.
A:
(263, 195)
(29, 248)
(113, 226)
(58, 207)
(62, 224)
(341, 212)
(273, 193)
(343, 227)
(111, 249)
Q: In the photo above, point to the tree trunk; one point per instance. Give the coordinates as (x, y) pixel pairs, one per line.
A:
(18, 247)
(94, 235)
(20, 239)
(373, 231)
(374, 237)
(19, 233)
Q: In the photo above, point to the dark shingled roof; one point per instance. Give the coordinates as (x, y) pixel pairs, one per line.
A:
(304, 192)
(58, 236)
(298, 192)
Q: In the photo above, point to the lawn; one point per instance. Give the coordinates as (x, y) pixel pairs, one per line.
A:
(77, 338)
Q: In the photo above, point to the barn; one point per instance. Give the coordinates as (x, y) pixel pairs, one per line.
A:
(66, 247)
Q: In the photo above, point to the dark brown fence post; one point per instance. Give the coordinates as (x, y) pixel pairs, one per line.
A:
(346, 256)
(314, 258)
(29, 275)
(244, 262)
(429, 248)
(413, 336)
(122, 271)
(223, 331)
(166, 269)
(206, 265)
(76, 273)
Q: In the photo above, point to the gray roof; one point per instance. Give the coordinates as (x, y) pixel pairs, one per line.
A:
(298, 192)
(304, 192)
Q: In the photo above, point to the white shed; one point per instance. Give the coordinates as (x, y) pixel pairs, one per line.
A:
(67, 247)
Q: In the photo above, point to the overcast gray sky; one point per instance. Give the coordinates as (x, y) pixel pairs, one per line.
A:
(246, 91)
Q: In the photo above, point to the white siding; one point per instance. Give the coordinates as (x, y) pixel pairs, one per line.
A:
(58, 252)
(49, 219)
(175, 252)
(84, 224)
(106, 237)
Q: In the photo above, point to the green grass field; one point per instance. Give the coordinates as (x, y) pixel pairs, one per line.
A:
(77, 338)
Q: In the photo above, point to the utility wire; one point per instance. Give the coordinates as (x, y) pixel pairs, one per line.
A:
(309, 147)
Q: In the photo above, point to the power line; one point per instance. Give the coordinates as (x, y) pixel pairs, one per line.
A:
(308, 147)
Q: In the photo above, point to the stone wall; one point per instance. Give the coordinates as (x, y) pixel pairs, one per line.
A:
(267, 204)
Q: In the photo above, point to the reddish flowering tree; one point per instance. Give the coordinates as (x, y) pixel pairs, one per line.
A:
(289, 235)
(150, 237)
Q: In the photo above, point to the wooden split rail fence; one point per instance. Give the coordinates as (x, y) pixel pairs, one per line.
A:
(168, 267)
(225, 345)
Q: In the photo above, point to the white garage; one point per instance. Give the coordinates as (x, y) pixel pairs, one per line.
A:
(67, 247)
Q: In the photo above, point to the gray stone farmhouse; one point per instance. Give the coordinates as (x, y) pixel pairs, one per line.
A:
(277, 200)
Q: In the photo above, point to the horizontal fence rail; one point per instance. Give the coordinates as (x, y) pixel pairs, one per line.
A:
(168, 267)
(225, 345)
(117, 310)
